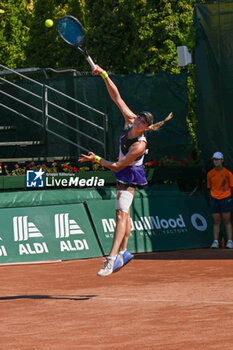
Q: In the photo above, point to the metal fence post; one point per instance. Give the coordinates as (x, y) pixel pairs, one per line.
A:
(45, 106)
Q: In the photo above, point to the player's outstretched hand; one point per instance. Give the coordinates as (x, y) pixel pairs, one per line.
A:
(87, 158)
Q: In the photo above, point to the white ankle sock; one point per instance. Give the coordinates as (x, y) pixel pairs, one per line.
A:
(122, 252)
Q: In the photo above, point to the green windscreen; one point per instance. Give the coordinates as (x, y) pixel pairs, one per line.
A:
(160, 94)
(214, 79)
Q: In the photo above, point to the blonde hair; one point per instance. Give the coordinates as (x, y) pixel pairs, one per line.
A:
(158, 125)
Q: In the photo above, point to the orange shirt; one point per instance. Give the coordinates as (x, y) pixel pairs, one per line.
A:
(220, 183)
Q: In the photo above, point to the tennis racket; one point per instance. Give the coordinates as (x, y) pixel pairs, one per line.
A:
(73, 33)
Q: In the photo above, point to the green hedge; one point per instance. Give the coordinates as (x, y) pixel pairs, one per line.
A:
(125, 36)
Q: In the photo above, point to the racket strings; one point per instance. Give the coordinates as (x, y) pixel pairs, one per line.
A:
(71, 31)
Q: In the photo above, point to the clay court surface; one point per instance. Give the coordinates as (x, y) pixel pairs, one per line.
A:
(166, 301)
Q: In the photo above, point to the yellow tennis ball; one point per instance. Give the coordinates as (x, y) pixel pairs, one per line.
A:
(48, 23)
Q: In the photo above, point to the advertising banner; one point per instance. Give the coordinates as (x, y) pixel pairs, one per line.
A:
(56, 232)
(162, 223)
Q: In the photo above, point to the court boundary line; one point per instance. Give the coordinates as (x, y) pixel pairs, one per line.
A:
(136, 300)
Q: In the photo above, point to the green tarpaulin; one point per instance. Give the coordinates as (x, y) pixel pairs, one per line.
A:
(214, 79)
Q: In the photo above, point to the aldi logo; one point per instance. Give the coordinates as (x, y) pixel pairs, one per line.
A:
(2, 249)
(64, 227)
(23, 230)
(35, 178)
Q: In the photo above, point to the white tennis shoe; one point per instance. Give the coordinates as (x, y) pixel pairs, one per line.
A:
(229, 244)
(107, 268)
(215, 244)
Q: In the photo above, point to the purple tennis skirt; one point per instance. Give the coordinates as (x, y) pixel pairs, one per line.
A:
(132, 176)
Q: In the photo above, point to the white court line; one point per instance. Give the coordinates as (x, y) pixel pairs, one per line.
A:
(168, 301)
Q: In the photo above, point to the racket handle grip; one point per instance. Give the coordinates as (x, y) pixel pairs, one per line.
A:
(92, 64)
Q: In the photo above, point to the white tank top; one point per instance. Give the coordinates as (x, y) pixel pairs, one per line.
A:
(124, 139)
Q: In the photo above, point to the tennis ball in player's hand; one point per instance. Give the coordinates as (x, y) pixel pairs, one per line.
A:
(48, 23)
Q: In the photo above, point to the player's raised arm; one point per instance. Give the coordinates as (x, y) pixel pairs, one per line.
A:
(115, 96)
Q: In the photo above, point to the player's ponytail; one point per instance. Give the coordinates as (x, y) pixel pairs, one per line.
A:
(158, 125)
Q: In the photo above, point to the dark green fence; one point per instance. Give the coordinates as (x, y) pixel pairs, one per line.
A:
(214, 79)
(160, 94)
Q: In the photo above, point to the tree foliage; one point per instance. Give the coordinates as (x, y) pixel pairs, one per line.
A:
(45, 48)
(124, 36)
(14, 31)
(140, 36)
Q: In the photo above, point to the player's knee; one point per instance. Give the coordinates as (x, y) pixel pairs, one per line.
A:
(120, 216)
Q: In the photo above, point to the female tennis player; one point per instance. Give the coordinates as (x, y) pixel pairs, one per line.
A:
(128, 170)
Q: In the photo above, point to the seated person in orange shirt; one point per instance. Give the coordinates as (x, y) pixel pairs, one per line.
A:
(220, 182)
